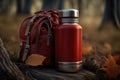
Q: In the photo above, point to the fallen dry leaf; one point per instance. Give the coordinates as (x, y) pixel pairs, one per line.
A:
(87, 49)
(35, 60)
(112, 69)
(117, 58)
(108, 47)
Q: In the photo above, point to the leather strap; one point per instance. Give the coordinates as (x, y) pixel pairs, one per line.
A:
(27, 33)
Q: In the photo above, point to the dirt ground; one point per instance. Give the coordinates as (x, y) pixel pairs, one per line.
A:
(9, 32)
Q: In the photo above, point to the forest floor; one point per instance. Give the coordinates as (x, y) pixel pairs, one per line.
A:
(108, 34)
(9, 32)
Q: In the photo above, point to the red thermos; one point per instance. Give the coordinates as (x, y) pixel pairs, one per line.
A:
(68, 41)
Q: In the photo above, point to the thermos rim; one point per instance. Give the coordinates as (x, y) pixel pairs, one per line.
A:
(69, 13)
(70, 66)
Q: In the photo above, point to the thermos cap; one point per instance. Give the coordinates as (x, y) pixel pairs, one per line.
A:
(69, 13)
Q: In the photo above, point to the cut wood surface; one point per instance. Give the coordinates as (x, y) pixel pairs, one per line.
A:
(24, 72)
(46, 73)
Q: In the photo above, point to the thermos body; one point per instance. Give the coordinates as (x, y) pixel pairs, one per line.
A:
(68, 43)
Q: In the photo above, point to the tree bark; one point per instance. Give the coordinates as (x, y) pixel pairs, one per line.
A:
(8, 66)
(36, 73)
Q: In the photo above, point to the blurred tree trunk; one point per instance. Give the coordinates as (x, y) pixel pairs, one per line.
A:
(111, 12)
(24, 8)
(61, 4)
(108, 12)
(79, 5)
(50, 4)
(5, 6)
(27, 6)
(117, 13)
(19, 8)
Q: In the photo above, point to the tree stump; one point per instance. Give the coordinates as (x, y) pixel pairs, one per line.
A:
(8, 66)
(24, 72)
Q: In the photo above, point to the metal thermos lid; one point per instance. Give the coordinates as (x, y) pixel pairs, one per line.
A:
(69, 13)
